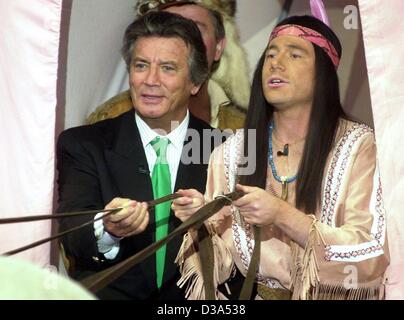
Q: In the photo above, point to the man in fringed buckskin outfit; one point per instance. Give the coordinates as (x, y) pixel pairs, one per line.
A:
(314, 202)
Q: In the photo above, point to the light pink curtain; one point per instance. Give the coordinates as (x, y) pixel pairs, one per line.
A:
(29, 47)
(384, 47)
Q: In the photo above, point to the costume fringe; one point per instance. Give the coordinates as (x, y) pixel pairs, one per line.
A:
(305, 271)
(189, 262)
(306, 283)
(191, 270)
(339, 292)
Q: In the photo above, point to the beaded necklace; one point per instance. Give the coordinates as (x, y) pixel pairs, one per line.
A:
(284, 180)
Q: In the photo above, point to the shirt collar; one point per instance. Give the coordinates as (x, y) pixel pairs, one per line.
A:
(176, 137)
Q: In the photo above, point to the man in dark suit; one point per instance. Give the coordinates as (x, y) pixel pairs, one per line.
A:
(112, 163)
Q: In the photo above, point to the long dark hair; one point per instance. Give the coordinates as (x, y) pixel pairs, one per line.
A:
(323, 123)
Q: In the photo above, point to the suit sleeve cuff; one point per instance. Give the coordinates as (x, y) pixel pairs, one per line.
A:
(107, 244)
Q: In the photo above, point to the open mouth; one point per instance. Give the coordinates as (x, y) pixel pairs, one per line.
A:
(151, 99)
(276, 82)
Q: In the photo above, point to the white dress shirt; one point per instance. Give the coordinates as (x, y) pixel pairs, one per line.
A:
(108, 244)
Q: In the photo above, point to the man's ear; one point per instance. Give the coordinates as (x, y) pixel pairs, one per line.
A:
(220, 48)
(195, 89)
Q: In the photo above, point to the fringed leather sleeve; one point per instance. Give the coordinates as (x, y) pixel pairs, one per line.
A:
(305, 266)
(312, 279)
(189, 262)
(346, 254)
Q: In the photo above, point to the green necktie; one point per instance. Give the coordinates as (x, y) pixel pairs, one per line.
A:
(161, 182)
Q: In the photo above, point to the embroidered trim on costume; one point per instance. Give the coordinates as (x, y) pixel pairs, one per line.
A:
(363, 251)
(332, 192)
(377, 209)
(337, 170)
(242, 232)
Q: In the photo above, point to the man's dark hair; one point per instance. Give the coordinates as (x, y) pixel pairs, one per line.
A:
(169, 25)
(323, 124)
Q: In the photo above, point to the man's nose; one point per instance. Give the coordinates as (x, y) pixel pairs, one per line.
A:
(277, 62)
(152, 77)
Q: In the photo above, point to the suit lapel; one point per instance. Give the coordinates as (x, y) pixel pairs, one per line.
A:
(128, 163)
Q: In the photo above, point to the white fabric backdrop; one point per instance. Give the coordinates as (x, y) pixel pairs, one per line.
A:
(384, 46)
(29, 49)
(95, 71)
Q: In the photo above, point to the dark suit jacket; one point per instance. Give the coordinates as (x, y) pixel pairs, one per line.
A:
(99, 162)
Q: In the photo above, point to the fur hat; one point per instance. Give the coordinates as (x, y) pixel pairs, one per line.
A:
(225, 7)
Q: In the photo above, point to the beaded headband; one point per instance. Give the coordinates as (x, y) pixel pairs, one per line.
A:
(309, 35)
